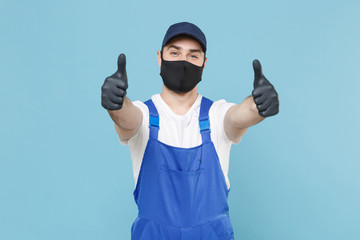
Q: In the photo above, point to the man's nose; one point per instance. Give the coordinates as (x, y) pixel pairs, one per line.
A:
(184, 57)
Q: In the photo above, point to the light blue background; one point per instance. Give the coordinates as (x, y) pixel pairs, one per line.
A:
(64, 174)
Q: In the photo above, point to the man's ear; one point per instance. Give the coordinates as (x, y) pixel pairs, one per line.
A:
(159, 57)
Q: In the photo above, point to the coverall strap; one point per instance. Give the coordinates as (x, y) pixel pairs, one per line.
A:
(204, 121)
(153, 120)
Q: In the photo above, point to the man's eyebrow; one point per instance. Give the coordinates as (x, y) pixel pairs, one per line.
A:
(179, 48)
(174, 46)
(195, 50)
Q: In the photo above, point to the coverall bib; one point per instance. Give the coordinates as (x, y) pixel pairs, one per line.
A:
(181, 193)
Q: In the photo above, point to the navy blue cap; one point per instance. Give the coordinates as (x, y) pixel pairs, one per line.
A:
(185, 28)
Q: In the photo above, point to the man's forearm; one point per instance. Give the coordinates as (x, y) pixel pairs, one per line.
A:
(245, 114)
(128, 117)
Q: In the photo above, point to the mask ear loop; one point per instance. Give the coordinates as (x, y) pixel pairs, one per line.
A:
(204, 61)
(161, 54)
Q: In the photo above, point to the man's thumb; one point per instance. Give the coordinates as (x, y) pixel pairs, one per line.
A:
(257, 72)
(121, 64)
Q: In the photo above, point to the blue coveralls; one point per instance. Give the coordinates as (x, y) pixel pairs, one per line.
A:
(181, 193)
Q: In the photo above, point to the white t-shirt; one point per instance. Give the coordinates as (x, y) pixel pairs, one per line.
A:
(181, 131)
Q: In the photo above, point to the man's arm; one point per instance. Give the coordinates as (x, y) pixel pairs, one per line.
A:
(126, 116)
(239, 117)
(127, 120)
(262, 103)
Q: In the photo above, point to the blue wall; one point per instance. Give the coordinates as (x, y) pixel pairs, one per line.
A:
(64, 174)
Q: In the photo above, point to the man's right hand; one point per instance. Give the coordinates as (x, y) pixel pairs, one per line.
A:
(113, 90)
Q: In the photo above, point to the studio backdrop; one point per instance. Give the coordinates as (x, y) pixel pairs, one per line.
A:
(64, 174)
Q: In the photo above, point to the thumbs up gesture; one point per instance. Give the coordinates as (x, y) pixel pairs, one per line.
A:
(113, 90)
(264, 93)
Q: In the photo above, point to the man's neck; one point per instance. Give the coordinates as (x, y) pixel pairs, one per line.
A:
(180, 103)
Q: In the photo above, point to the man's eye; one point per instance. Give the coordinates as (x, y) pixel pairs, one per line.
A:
(194, 56)
(174, 53)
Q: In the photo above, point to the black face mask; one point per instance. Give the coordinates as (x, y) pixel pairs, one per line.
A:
(180, 76)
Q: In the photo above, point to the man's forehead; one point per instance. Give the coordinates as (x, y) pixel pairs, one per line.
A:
(177, 41)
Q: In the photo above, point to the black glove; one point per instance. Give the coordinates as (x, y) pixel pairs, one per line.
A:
(264, 93)
(113, 90)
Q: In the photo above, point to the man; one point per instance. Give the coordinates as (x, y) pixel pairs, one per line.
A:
(180, 141)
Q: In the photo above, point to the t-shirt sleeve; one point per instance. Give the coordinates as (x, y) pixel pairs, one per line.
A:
(144, 125)
(217, 112)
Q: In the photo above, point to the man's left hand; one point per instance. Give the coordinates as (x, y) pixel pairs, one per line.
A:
(264, 93)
